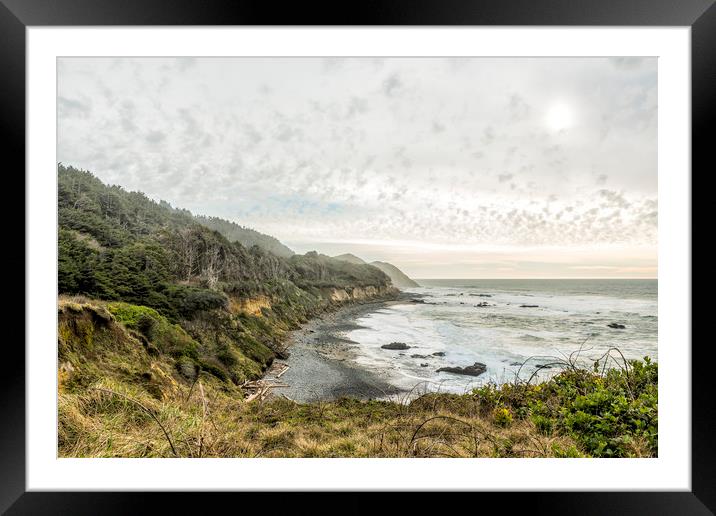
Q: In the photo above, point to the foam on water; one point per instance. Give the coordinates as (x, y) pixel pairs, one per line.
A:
(505, 333)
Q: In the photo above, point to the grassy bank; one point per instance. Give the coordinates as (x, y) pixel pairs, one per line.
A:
(133, 384)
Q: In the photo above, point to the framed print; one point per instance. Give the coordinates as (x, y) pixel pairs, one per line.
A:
(432, 247)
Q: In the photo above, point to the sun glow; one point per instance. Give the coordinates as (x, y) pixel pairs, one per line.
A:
(559, 117)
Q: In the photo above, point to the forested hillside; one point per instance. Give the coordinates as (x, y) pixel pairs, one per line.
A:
(397, 277)
(245, 236)
(233, 303)
(351, 258)
(120, 245)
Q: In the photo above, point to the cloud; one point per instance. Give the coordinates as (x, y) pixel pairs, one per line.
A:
(285, 133)
(392, 85)
(69, 108)
(357, 106)
(431, 150)
(627, 63)
(127, 115)
(488, 135)
(155, 137)
(518, 108)
(185, 63)
(613, 198)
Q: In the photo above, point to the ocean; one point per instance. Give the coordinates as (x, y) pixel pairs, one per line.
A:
(543, 319)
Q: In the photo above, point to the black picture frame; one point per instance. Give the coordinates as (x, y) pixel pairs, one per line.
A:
(17, 15)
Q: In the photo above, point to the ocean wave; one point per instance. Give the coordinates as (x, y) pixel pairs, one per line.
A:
(499, 334)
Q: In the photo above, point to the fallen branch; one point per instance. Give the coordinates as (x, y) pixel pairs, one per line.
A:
(284, 370)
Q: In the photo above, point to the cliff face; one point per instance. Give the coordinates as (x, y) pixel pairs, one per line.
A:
(257, 305)
(342, 295)
(250, 305)
(99, 339)
(94, 346)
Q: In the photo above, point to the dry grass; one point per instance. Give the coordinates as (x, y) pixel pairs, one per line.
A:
(112, 419)
(119, 397)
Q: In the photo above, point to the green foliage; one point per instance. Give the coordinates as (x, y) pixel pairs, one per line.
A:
(169, 338)
(502, 416)
(616, 412)
(318, 270)
(187, 301)
(543, 424)
(247, 237)
(570, 452)
(609, 415)
(119, 245)
(213, 345)
(137, 273)
(76, 261)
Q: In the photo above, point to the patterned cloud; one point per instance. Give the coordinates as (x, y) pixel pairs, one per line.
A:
(428, 163)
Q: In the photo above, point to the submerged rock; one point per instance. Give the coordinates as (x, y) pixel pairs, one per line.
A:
(439, 354)
(395, 345)
(418, 356)
(475, 369)
(529, 306)
(616, 326)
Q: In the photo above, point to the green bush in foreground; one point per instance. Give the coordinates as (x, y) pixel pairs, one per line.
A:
(613, 414)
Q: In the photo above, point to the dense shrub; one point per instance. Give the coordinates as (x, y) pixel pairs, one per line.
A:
(502, 416)
(189, 300)
(613, 414)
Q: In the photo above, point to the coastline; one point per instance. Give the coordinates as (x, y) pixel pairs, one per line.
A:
(321, 365)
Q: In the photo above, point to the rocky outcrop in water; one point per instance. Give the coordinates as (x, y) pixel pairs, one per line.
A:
(396, 345)
(475, 369)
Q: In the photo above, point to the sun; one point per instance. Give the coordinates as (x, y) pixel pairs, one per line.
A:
(559, 117)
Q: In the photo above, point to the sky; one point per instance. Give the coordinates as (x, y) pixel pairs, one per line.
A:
(445, 167)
